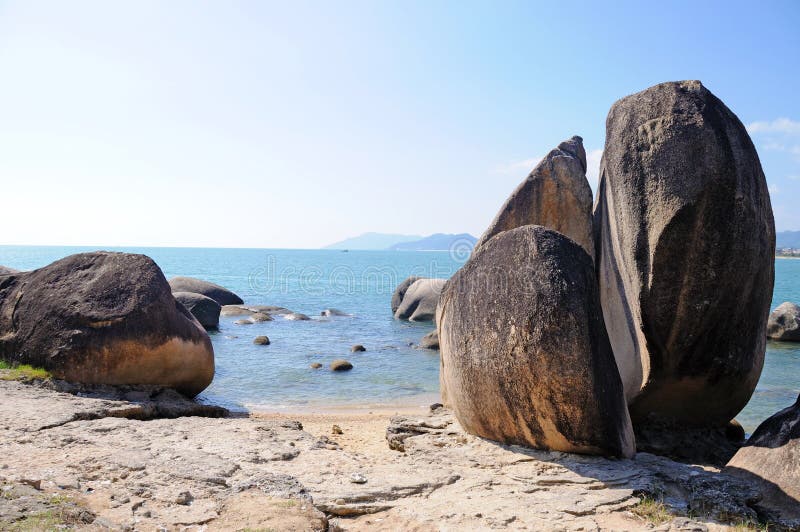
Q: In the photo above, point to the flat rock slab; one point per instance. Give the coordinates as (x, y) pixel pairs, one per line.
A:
(238, 473)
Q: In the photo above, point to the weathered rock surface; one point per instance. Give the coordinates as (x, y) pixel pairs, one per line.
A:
(770, 460)
(249, 473)
(555, 195)
(104, 318)
(525, 358)
(420, 300)
(430, 340)
(218, 293)
(204, 309)
(400, 291)
(5, 270)
(784, 323)
(685, 245)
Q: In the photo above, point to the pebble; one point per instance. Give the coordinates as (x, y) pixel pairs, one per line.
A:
(337, 430)
(358, 478)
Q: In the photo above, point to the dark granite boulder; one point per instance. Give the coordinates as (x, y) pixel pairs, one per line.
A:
(784, 323)
(525, 358)
(685, 245)
(218, 293)
(204, 309)
(104, 318)
(555, 195)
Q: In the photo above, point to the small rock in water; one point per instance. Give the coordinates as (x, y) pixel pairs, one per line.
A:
(316, 365)
(332, 312)
(358, 348)
(261, 316)
(296, 316)
(336, 429)
(261, 340)
(341, 365)
(243, 322)
(358, 478)
(436, 406)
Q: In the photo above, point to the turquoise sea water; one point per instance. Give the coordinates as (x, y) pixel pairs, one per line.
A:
(359, 283)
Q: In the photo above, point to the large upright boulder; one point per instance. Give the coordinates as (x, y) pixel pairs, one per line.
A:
(525, 358)
(770, 461)
(104, 318)
(555, 195)
(218, 293)
(784, 323)
(685, 246)
(420, 300)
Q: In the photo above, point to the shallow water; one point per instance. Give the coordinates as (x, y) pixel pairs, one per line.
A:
(359, 283)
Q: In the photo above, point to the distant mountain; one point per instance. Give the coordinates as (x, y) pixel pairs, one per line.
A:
(372, 241)
(439, 241)
(787, 239)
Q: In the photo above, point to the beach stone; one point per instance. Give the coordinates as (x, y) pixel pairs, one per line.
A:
(430, 340)
(336, 429)
(769, 460)
(784, 323)
(261, 340)
(686, 244)
(218, 293)
(555, 195)
(400, 291)
(420, 300)
(104, 318)
(296, 316)
(525, 358)
(315, 365)
(341, 365)
(358, 348)
(5, 270)
(204, 309)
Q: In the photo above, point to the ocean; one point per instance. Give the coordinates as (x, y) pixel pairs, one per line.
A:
(360, 283)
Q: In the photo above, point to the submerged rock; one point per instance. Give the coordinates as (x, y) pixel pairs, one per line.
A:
(685, 245)
(261, 340)
(329, 312)
(420, 300)
(525, 358)
(341, 365)
(218, 293)
(104, 318)
(358, 348)
(555, 195)
(784, 323)
(430, 340)
(769, 461)
(315, 365)
(203, 308)
(296, 316)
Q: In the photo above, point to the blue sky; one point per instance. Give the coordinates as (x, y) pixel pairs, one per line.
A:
(297, 124)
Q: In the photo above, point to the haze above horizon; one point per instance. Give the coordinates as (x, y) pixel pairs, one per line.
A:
(248, 124)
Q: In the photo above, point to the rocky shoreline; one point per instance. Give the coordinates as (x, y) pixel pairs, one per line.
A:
(107, 459)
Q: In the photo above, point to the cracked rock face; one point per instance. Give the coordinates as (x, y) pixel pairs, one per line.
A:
(525, 358)
(685, 244)
(104, 318)
(555, 195)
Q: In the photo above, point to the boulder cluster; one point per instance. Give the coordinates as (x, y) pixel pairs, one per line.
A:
(574, 327)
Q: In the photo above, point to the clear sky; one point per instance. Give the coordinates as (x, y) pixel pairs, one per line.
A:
(293, 124)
